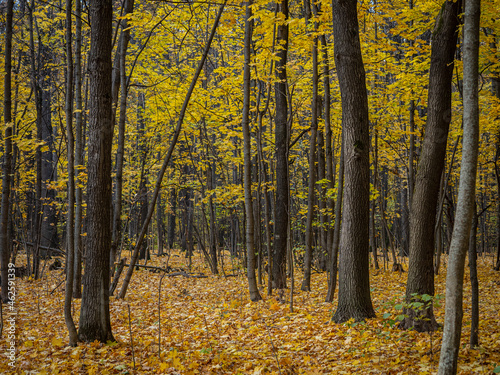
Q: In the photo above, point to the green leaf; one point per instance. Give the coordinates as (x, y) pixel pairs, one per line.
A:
(399, 306)
(386, 315)
(496, 370)
(401, 317)
(426, 297)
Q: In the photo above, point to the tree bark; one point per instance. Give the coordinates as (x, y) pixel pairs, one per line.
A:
(94, 317)
(247, 156)
(311, 195)
(281, 146)
(466, 194)
(70, 224)
(354, 284)
(430, 166)
(7, 164)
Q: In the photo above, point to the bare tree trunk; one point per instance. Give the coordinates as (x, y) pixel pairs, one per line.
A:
(354, 283)
(7, 164)
(474, 325)
(95, 321)
(70, 224)
(281, 144)
(311, 195)
(430, 167)
(247, 155)
(332, 282)
(466, 194)
(77, 279)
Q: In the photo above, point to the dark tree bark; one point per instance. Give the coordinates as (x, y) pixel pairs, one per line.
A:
(94, 316)
(474, 322)
(7, 163)
(354, 284)
(311, 195)
(70, 223)
(281, 144)
(79, 136)
(247, 155)
(430, 167)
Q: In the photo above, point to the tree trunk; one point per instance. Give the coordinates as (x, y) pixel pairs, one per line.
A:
(122, 81)
(281, 144)
(70, 224)
(474, 325)
(77, 279)
(332, 282)
(311, 195)
(466, 194)
(247, 155)
(354, 284)
(7, 164)
(430, 167)
(94, 317)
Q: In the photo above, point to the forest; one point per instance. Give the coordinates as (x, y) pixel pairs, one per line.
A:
(250, 187)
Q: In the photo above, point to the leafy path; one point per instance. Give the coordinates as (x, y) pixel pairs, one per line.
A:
(208, 326)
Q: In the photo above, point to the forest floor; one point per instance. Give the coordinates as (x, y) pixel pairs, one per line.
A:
(209, 326)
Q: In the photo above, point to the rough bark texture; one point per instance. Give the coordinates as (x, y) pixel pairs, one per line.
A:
(430, 167)
(354, 285)
(466, 194)
(94, 316)
(281, 144)
(247, 155)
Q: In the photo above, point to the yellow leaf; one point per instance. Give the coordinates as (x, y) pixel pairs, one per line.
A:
(56, 342)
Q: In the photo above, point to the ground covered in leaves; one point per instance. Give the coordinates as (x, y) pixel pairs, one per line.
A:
(209, 326)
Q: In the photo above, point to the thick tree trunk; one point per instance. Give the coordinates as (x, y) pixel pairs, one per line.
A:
(94, 316)
(430, 167)
(466, 194)
(247, 156)
(354, 284)
(281, 144)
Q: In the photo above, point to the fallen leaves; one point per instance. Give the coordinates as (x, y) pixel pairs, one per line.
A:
(216, 330)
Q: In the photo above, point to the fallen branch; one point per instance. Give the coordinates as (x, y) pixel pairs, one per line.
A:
(170, 274)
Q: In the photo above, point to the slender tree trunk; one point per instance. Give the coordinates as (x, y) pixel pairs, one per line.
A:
(247, 155)
(430, 167)
(311, 195)
(122, 59)
(474, 325)
(94, 316)
(70, 224)
(332, 282)
(77, 279)
(466, 194)
(281, 145)
(168, 156)
(7, 164)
